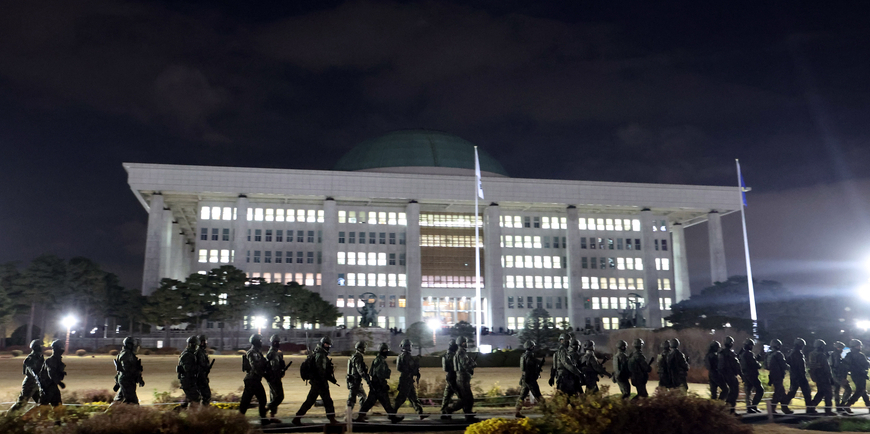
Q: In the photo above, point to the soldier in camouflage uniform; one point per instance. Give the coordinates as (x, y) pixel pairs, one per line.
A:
(798, 373)
(129, 373)
(820, 373)
(451, 388)
(678, 366)
(409, 371)
(858, 365)
(841, 380)
(639, 368)
(357, 371)
(255, 367)
(276, 371)
(591, 368)
(662, 366)
(51, 376)
(202, 383)
(32, 365)
(325, 374)
(378, 387)
(531, 371)
(729, 367)
(714, 377)
(749, 366)
(464, 365)
(575, 358)
(188, 372)
(563, 373)
(777, 367)
(621, 373)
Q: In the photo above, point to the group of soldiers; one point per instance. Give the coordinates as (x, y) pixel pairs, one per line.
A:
(828, 369)
(43, 378)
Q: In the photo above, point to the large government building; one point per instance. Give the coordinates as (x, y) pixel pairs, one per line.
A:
(396, 218)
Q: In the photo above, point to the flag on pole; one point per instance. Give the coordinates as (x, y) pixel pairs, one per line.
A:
(743, 188)
(477, 174)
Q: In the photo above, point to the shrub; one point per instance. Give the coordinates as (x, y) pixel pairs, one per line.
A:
(503, 426)
(80, 352)
(16, 353)
(175, 384)
(146, 352)
(165, 397)
(88, 396)
(113, 353)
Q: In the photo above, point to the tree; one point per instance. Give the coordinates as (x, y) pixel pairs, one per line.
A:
(8, 276)
(129, 305)
(463, 328)
(539, 327)
(228, 287)
(421, 335)
(41, 283)
(84, 291)
(165, 306)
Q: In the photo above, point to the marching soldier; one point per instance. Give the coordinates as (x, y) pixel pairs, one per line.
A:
(662, 366)
(51, 376)
(275, 373)
(798, 374)
(129, 369)
(357, 371)
(409, 371)
(30, 387)
(575, 358)
(255, 367)
(323, 374)
(464, 365)
(531, 371)
(777, 367)
(840, 371)
(749, 366)
(188, 372)
(451, 388)
(729, 367)
(718, 388)
(858, 365)
(378, 387)
(820, 373)
(639, 367)
(563, 371)
(591, 368)
(621, 373)
(202, 383)
(678, 366)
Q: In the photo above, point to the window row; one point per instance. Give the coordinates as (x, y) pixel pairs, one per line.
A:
(596, 224)
(373, 279)
(383, 238)
(528, 261)
(217, 213)
(216, 256)
(282, 215)
(587, 282)
(665, 303)
(450, 304)
(217, 234)
(609, 243)
(353, 302)
(519, 322)
(529, 302)
(279, 257)
(450, 220)
(663, 264)
(384, 322)
(448, 241)
(370, 258)
(307, 279)
(595, 262)
(541, 282)
(596, 303)
(373, 217)
(537, 222)
(531, 242)
(449, 282)
(277, 235)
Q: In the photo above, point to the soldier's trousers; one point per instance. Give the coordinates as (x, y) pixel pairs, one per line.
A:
(624, 388)
(29, 390)
(204, 388)
(718, 388)
(733, 389)
(640, 386)
(802, 384)
(779, 395)
(191, 391)
(842, 383)
(50, 395)
(591, 385)
(408, 391)
(465, 393)
(276, 395)
(824, 390)
(126, 391)
(860, 392)
(253, 388)
(321, 389)
(355, 390)
(750, 383)
(529, 387)
(450, 390)
(680, 383)
(567, 384)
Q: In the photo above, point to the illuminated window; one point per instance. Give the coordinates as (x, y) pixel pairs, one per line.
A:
(340, 260)
(342, 216)
(638, 264)
(548, 262)
(582, 224)
(402, 302)
(536, 242)
(225, 256)
(613, 283)
(560, 283)
(548, 282)
(204, 213)
(635, 225)
(391, 279)
(665, 303)
(584, 282)
(608, 224)
(622, 283)
(270, 214)
(595, 283)
(557, 262)
(639, 284)
(617, 225)
(538, 263)
(403, 281)
(596, 303)
(382, 259)
(258, 214)
(291, 217)
(539, 281)
(203, 255)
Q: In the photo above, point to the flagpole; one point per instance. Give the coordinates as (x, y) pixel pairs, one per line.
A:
(752, 312)
(477, 310)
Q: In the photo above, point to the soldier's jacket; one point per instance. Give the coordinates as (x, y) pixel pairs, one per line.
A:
(639, 367)
(380, 372)
(620, 367)
(407, 365)
(447, 361)
(562, 363)
(275, 360)
(820, 369)
(678, 366)
(797, 364)
(530, 366)
(52, 372)
(839, 369)
(777, 365)
(575, 358)
(258, 367)
(202, 360)
(188, 366)
(729, 366)
(356, 368)
(129, 366)
(32, 365)
(857, 363)
(463, 364)
(324, 366)
(662, 367)
(749, 366)
(591, 367)
(711, 362)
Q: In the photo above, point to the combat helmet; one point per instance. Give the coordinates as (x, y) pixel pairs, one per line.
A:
(799, 343)
(728, 342)
(275, 339)
(360, 346)
(129, 343)
(256, 340)
(575, 344)
(462, 340)
(563, 337)
(192, 341)
(57, 346)
(36, 345)
(203, 339)
(776, 344)
(530, 345)
(818, 343)
(855, 343)
(621, 345)
(839, 345)
(384, 347)
(714, 346)
(406, 344)
(749, 343)
(638, 343)
(674, 343)
(589, 345)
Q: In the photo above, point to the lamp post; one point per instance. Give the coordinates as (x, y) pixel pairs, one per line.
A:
(259, 322)
(68, 321)
(434, 324)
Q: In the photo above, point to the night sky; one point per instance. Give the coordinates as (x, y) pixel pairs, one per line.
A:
(599, 91)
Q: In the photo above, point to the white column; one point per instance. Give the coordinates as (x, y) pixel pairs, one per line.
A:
(240, 233)
(576, 311)
(650, 275)
(493, 280)
(153, 245)
(166, 244)
(328, 248)
(414, 309)
(682, 289)
(718, 270)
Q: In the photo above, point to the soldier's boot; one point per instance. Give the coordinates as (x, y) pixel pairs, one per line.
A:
(829, 412)
(519, 415)
(396, 419)
(423, 416)
(332, 419)
(297, 421)
(361, 417)
(785, 409)
(470, 418)
(811, 410)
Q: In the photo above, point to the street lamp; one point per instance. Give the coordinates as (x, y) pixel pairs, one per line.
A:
(259, 322)
(68, 321)
(434, 324)
(863, 324)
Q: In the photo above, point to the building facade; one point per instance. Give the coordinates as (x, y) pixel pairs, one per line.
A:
(397, 219)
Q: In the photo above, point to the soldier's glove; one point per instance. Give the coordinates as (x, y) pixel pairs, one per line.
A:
(62, 386)
(141, 383)
(613, 379)
(116, 387)
(551, 382)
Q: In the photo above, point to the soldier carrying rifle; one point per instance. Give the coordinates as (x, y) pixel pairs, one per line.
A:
(531, 368)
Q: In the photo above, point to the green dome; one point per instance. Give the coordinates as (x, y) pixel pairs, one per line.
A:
(417, 148)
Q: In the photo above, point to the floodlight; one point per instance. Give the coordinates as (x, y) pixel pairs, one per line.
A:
(862, 324)
(434, 323)
(864, 291)
(68, 321)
